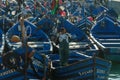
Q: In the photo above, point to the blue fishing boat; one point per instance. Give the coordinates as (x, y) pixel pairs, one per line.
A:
(12, 67)
(97, 9)
(80, 67)
(46, 24)
(25, 61)
(36, 38)
(106, 34)
(85, 23)
(80, 41)
(79, 44)
(5, 23)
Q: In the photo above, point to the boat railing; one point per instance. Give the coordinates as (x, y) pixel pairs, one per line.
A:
(77, 45)
(97, 43)
(110, 41)
(31, 44)
(106, 35)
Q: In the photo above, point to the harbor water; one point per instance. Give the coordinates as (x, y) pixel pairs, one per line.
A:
(115, 72)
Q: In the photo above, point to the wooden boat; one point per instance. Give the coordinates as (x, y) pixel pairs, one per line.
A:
(16, 63)
(80, 67)
(95, 11)
(46, 24)
(80, 41)
(36, 38)
(5, 23)
(106, 34)
(85, 23)
(12, 67)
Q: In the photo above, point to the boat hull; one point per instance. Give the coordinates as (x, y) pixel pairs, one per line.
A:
(89, 69)
(81, 67)
(105, 33)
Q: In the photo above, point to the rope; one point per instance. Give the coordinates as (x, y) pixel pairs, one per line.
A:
(27, 28)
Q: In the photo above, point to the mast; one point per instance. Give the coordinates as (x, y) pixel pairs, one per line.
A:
(24, 43)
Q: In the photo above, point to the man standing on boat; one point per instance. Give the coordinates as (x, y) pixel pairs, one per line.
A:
(64, 46)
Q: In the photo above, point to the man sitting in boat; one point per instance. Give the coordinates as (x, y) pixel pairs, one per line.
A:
(23, 49)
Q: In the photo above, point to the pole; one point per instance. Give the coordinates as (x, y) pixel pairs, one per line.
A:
(24, 43)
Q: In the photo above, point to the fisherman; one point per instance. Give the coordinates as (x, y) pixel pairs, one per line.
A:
(24, 51)
(64, 46)
(54, 6)
(19, 3)
(68, 3)
(62, 11)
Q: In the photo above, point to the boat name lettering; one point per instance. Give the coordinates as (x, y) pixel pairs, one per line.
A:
(7, 72)
(85, 72)
(101, 77)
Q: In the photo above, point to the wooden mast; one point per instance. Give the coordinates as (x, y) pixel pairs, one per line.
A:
(24, 43)
(23, 30)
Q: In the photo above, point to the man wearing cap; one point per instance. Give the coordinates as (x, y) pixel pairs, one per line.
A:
(64, 46)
